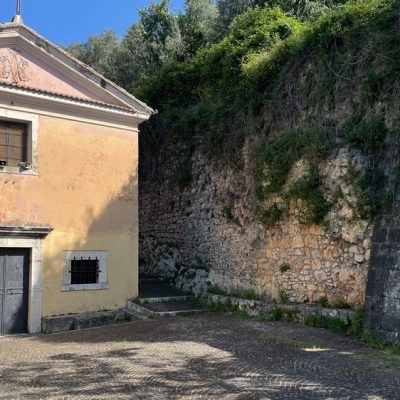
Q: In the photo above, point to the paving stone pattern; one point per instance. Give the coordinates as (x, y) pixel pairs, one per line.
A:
(203, 357)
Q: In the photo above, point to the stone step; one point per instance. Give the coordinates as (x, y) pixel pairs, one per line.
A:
(151, 289)
(164, 309)
(152, 279)
(168, 299)
(134, 314)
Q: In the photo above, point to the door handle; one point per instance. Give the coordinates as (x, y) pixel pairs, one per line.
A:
(10, 291)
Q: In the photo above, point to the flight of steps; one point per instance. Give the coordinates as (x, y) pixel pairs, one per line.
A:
(157, 299)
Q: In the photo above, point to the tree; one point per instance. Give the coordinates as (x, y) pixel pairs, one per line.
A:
(152, 42)
(98, 52)
(302, 9)
(228, 10)
(306, 9)
(160, 38)
(198, 24)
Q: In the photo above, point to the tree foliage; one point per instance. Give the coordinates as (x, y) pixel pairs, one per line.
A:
(198, 24)
(160, 38)
(225, 72)
(98, 52)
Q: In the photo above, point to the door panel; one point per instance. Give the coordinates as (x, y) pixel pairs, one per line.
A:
(1, 311)
(15, 266)
(2, 289)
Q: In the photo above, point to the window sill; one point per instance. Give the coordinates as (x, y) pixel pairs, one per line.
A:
(78, 288)
(18, 170)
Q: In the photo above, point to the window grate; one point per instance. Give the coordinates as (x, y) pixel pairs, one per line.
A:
(84, 271)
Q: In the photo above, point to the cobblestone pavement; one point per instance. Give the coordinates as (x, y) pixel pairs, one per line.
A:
(204, 357)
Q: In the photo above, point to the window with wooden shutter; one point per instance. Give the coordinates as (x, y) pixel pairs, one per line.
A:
(13, 143)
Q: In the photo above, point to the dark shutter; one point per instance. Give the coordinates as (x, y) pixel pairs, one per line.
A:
(13, 143)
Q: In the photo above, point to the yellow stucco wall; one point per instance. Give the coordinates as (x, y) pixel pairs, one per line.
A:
(87, 190)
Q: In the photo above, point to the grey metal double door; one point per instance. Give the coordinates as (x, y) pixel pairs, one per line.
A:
(14, 286)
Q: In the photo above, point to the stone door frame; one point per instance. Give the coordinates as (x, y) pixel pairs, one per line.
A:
(29, 238)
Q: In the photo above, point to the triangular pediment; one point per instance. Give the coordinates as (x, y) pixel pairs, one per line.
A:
(30, 61)
(22, 68)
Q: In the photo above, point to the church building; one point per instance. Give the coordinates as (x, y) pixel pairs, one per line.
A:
(68, 184)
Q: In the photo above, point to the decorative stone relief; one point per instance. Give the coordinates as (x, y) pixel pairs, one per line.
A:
(13, 68)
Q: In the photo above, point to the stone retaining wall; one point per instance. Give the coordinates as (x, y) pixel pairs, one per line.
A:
(208, 232)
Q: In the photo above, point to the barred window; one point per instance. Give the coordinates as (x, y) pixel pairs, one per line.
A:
(13, 143)
(84, 271)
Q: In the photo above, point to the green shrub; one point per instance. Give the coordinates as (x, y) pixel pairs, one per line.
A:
(280, 314)
(368, 135)
(335, 325)
(202, 95)
(278, 154)
(269, 216)
(357, 323)
(308, 189)
(275, 160)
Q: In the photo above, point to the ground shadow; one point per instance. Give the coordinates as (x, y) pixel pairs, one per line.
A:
(198, 358)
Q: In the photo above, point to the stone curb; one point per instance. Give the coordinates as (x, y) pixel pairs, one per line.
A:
(63, 323)
(256, 307)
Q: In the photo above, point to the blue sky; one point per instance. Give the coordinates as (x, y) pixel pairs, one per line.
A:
(66, 21)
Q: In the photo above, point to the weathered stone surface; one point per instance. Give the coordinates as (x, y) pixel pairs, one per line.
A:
(63, 323)
(382, 305)
(211, 226)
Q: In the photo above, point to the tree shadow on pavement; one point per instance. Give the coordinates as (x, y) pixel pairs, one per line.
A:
(194, 358)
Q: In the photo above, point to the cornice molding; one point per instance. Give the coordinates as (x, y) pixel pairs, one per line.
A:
(25, 231)
(22, 99)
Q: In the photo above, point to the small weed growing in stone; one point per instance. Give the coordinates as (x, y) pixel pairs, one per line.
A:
(214, 289)
(249, 294)
(293, 341)
(228, 213)
(283, 297)
(341, 304)
(72, 325)
(284, 268)
(190, 275)
(323, 302)
(127, 318)
(201, 264)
